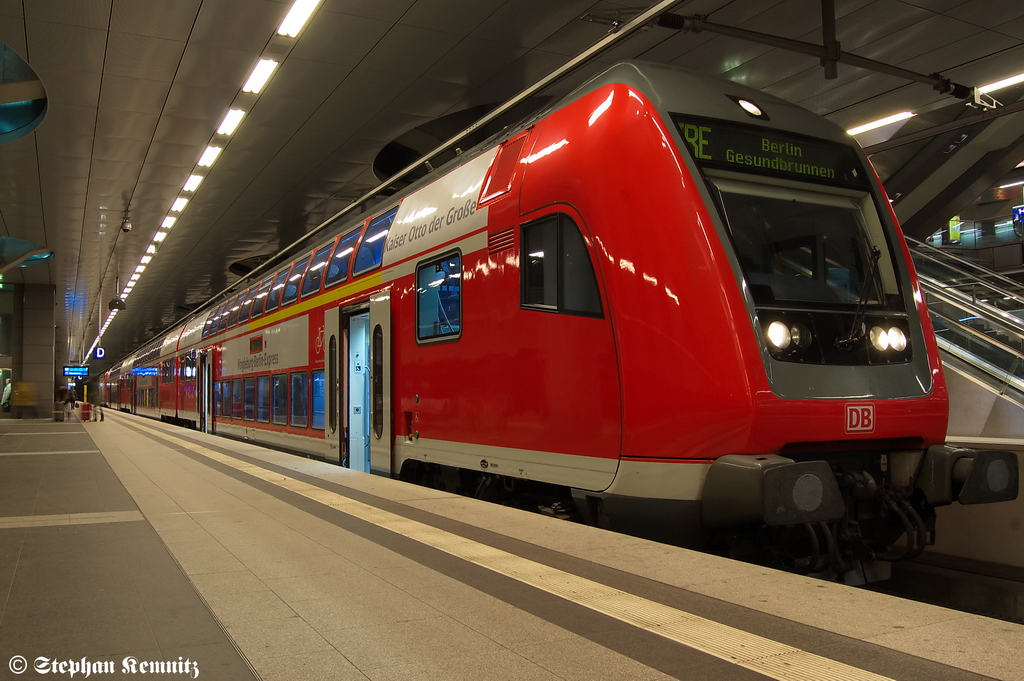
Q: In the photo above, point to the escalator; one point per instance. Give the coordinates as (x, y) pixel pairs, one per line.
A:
(978, 316)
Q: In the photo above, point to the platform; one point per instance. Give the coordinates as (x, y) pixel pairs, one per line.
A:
(131, 540)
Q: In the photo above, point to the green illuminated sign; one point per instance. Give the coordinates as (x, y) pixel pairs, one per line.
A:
(761, 150)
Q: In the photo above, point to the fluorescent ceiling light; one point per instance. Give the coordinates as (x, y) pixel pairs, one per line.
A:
(881, 122)
(297, 17)
(192, 183)
(151, 249)
(146, 259)
(230, 122)
(209, 156)
(1012, 184)
(159, 236)
(178, 205)
(168, 222)
(260, 75)
(1000, 84)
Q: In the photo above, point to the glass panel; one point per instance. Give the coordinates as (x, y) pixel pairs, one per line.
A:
(377, 380)
(318, 399)
(237, 399)
(225, 402)
(250, 398)
(233, 308)
(291, 286)
(579, 293)
(300, 400)
(274, 297)
(540, 269)
(261, 298)
(216, 398)
(315, 273)
(280, 399)
(243, 313)
(808, 246)
(222, 317)
(372, 249)
(439, 298)
(338, 269)
(263, 399)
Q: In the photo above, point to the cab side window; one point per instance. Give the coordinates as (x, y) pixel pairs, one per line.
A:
(556, 270)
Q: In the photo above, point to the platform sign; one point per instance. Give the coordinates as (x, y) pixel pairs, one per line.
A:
(77, 372)
(99, 353)
(1018, 221)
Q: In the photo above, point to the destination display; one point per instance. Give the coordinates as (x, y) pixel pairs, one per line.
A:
(748, 149)
(76, 371)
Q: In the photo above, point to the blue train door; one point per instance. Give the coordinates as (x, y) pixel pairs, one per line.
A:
(357, 391)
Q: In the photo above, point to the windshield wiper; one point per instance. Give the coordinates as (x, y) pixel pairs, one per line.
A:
(856, 332)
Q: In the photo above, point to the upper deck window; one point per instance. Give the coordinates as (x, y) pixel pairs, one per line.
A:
(274, 296)
(291, 285)
(243, 312)
(337, 270)
(371, 251)
(222, 317)
(233, 307)
(315, 274)
(261, 297)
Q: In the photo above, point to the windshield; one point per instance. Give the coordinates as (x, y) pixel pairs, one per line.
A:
(810, 246)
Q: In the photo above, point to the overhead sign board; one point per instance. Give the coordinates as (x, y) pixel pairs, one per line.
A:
(78, 372)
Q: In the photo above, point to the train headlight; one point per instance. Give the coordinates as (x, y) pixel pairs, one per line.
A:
(778, 335)
(801, 335)
(879, 338)
(897, 339)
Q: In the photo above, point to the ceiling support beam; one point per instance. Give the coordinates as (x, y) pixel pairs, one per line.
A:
(829, 53)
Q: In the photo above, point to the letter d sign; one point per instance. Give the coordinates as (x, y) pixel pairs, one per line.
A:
(860, 418)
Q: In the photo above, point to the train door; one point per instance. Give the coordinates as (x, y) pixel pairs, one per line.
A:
(380, 384)
(357, 392)
(334, 427)
(204, 392)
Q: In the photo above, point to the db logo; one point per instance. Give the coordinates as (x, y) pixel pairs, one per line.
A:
(860, 418)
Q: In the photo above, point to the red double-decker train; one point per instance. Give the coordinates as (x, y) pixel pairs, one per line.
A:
(676, 306)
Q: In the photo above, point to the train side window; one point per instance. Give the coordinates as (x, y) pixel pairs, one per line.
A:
(261, 298)
(222, 318)
(225, 398)
(216, 398)
(557, 273)
(318, 400)
(315, 274)
(300, 399)
(233, 307)
(291, 285)
(167, 371)
(210, 325)
(237, 399)
(246, 299)
(439, 298)
(280, 404)
(371, 251)
(263, 399)
(274, 297)
(250, 398)
(337, 270)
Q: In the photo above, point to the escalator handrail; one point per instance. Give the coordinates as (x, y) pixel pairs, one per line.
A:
(1012, 284)
(1006, 321)
(981, 335)
(1004, 377)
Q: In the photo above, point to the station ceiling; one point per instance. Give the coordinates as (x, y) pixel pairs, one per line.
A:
(136, 90)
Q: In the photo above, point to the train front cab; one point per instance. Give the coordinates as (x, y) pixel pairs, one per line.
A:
(784, 331)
